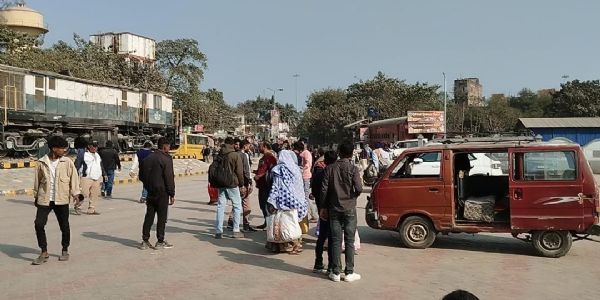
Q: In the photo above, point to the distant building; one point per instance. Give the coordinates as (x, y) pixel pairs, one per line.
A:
(577, 130)
(546, 92)
(133, 46)
(23, 19)
(468, 92)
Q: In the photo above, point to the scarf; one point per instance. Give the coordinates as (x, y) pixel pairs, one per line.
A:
(287, 192)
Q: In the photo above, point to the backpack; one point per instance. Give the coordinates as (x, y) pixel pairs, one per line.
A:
(220, 174)
(80, 162)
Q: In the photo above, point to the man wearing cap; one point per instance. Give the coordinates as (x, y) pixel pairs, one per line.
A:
(92, 174)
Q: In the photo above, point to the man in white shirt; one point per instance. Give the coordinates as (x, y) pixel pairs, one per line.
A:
(92, 173)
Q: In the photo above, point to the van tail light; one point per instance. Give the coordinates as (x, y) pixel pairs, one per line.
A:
(597, 201)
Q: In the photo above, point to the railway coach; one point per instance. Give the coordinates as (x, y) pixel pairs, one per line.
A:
(37, 104)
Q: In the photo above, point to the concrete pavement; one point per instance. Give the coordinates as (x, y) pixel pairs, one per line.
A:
(106, 264)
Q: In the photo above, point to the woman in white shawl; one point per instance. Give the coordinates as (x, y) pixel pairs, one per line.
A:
(287, 193)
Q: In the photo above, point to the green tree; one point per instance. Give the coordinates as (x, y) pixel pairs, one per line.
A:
(500, 117)
(182, 64)
(327, 112)
(392, 97)
(576, 99)
(529, 103)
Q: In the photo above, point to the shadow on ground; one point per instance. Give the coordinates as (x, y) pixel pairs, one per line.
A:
(20, 252)
(110, 238)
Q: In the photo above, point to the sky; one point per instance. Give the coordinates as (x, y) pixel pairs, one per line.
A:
(256, 45)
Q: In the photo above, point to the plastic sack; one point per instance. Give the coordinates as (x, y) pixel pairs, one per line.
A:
(283, 226)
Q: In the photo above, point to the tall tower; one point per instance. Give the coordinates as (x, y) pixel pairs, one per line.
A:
(20, 18)
(468, 92)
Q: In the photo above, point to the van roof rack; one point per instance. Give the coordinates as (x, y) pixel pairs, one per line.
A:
(492, 139)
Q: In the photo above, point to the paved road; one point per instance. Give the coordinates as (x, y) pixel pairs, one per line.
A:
(105, 263)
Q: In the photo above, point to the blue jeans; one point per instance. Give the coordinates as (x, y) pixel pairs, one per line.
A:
(144, 193)
(107, 185)
(236, 199)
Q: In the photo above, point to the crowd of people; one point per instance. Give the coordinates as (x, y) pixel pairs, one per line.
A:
(312, 186)
(289, 181)
(59, 181)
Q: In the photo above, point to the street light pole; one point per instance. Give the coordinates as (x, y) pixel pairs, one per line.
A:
(445, 108)
(296, 77)
(274, 107)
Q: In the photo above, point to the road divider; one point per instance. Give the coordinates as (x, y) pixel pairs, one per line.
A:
(29, 192)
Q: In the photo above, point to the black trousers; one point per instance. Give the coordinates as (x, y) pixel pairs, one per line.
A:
(156, 205)
(263, 196)
(324, 234)
(343, 223)
(41, 218)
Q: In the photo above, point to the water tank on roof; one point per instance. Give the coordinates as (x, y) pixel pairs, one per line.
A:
(23, 19)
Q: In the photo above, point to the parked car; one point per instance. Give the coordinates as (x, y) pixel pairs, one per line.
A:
(399, 146)
(549, 196)
(481, 164)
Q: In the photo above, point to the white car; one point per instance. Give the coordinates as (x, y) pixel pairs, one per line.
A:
(429, 164)
(400, 146)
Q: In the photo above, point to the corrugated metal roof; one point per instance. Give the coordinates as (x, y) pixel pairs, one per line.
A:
(389, 121)
(359, 122)
(560, 122)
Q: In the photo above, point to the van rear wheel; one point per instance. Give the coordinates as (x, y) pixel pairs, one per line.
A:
(417, 232)
(552, 243)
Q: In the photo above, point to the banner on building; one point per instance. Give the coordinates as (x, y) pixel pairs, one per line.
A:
(426, 122)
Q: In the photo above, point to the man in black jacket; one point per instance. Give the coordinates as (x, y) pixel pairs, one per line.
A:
(340, 188)
(156, 172)
(110, 161)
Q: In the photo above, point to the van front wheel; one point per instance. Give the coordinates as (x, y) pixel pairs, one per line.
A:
(552, 243)
(417, 232)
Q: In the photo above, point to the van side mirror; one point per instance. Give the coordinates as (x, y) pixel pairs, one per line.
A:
(417, 161)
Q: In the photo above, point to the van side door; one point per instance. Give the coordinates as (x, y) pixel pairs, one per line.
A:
(545, 187)
(402, 192)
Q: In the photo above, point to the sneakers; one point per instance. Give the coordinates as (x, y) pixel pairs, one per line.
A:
(64, 256)
(163, 245)
(103, 194)
(262, 227)
(218, 236)
(237, 235)
(335, 277)
(145, 245)
(351, 277)
(40, 260)
(93, 213)
(320, 271)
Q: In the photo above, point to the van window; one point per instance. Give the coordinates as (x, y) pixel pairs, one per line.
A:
(419, 165)
(550, 166)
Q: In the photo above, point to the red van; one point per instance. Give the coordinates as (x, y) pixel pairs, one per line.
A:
(547, 195)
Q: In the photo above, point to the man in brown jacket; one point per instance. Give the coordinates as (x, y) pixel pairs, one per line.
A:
(231, 190)
(56, 181)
